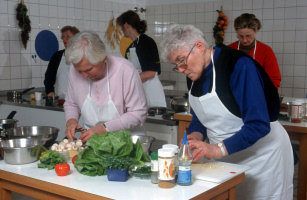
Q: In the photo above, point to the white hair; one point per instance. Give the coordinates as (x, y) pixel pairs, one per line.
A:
(85, 44)
(181, 37)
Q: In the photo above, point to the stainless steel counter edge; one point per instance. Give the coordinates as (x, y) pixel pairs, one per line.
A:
(42, 105)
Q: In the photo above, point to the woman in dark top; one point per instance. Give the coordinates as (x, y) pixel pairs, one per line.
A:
(143, 53)
(235, 105)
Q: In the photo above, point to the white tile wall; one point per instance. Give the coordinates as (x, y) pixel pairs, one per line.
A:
(17, 67)
(284, 28)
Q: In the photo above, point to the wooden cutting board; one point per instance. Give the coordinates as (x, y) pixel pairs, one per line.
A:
(215, 171)
(124, 44)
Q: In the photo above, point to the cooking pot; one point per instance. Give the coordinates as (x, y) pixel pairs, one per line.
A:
(15, 95)
(9, 122)
(180, 104)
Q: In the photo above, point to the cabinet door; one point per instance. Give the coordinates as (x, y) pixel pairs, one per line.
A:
(163, 134)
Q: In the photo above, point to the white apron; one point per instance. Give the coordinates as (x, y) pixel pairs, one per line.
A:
(254, 55)
(93, 114)
(269, 158)
(60, 87)
(153, 88)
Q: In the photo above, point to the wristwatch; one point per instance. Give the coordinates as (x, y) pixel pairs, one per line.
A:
(222, 148)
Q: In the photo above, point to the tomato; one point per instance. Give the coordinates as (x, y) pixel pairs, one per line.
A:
(74, 158)
(62, 169)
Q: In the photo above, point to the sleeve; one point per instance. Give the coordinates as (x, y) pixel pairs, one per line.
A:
(197, 126)
(271, 67)
(247, 87)
(50, 74)
(148, 54)
(71, 107)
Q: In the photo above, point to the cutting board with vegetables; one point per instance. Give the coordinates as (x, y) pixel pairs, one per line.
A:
(215, 171)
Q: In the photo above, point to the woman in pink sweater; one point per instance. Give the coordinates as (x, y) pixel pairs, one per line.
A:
(246, 26)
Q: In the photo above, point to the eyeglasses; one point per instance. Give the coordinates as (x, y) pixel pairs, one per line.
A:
(182, 64)
(66, 36)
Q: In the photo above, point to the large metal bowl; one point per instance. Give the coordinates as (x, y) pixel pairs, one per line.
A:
(45, 133)
(145, 141)
(21, 151)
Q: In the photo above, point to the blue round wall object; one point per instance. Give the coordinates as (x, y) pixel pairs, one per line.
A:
(46, 44)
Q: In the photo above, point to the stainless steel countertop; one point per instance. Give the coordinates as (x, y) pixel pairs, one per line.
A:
(47, 105)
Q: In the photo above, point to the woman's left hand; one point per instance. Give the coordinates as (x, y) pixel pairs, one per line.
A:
(202, 149)
(88, 134)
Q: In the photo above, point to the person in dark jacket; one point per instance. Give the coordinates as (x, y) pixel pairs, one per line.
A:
(234, 105)
(56, 75)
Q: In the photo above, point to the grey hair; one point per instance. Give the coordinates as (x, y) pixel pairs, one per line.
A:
(85, 44)
(181, 37)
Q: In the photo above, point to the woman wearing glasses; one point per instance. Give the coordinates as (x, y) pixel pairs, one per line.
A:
(143, 53)
(233, 104)
(246, 26)
(56, 75)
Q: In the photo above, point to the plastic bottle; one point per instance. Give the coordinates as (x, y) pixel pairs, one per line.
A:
(185, 158)
(154, 167)
(176, 150)
(166, 160)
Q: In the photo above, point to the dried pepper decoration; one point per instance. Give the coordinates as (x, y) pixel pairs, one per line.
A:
(219, 28)
(23, 22)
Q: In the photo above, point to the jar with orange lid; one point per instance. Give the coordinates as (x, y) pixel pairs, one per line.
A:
(296, 111)
(166, 162)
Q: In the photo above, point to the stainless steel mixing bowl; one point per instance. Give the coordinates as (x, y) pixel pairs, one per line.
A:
(46, 133)
(145, 141)
(22, 150)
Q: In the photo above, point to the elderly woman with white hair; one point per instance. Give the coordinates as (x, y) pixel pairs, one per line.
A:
(105, 90)
(235, 105)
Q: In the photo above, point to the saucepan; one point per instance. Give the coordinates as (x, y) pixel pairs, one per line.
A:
(180, 104)
(17, 95)
(9, 122)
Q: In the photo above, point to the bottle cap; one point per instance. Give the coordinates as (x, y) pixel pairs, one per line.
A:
(171, 146)
(185, 138)
(154, 156)
(166, 152)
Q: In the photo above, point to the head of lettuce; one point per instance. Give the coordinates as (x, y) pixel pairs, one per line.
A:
(90, 161)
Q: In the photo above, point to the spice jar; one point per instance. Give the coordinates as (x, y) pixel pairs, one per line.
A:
(176, 151)
(166, 161)
(154, 167)
(296, 111)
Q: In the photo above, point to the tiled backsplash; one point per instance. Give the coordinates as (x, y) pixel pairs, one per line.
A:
(284, 29)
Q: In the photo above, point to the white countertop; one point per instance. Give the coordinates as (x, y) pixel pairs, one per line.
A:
(99, 185)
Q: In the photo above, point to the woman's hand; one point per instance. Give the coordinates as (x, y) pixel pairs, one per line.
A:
(86, 135)
(71, 126)
(202, 149)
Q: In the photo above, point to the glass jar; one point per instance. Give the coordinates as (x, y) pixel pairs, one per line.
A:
(166, 161)
(296, 111)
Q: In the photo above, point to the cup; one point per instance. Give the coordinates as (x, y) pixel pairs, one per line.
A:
(38, 96)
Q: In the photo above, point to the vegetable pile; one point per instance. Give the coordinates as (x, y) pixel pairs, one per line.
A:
(49, 159)
(220, 27)
(92, 161)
